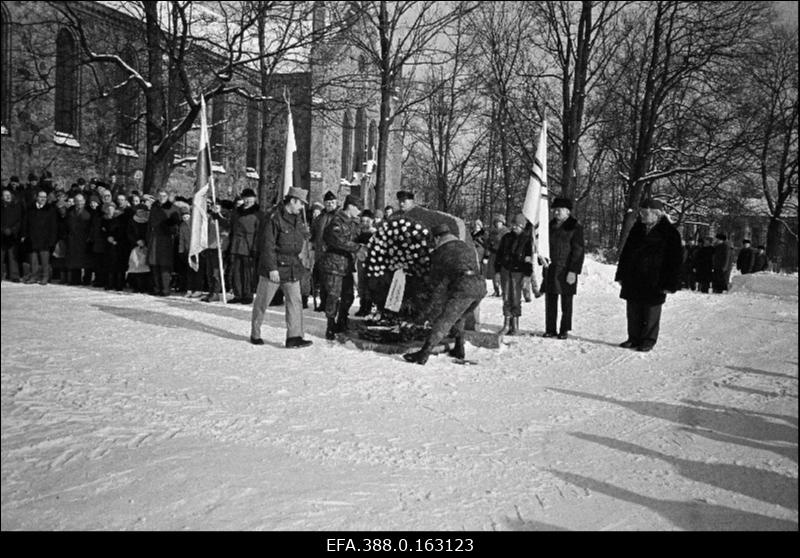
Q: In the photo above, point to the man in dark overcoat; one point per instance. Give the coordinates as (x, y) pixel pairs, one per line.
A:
(566, 263)
(649, 268)
(280, 242)
(338, 265)
(746, 258)
(78, 227)
(41, 228)
(245, 223)
(723, 264)
(11, 223)
(162, 228)
(760, 260)
(318, 225)
(458, 289)
(704, 264)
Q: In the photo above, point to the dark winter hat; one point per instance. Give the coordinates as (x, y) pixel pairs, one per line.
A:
(519, 219)
(440, 229)
(248, 193)
(404, 195)
(368, 213)
(80, 181)
(651, 204)
(352, 200)
(14, 179)
(32, 177)
(329, 196)
(562, 202)
(722, 236)
(762, 247)
(746, 241)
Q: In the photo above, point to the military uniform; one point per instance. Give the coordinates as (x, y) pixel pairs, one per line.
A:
(458, 289)
(338, 265)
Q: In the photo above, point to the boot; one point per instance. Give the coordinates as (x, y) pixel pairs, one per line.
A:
(330, 332)
(421, 356)
(513, 326)
(305, 301)
(506, 326)
(297, 343)
(458, 348)
(342, 324)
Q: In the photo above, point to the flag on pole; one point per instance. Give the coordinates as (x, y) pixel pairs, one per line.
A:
(291, 170)
(536, 208)
(203, 182)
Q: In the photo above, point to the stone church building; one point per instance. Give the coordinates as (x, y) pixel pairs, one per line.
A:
(64, 115)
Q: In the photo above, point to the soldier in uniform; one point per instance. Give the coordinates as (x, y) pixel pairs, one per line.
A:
(338, 264)
(279, 267)
(318, 225)
(458, 289)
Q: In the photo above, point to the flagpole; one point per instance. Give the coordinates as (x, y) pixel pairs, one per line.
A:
(216, 227)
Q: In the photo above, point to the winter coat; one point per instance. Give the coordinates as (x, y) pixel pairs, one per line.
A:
(96, 237)
(280, 244)
(745, 260)
(184, 238)
(41, 227)
(340, 245)
(11, 223)
(760, 262)
(650, 263)
(723, 258)
(493, 240)
(455, 273)
(515, 253)
(78, 229)
(244, 228)
(116, 251)
(566, 255)
(703, 262)
(479, 240)
(162, 228)
(318, 230)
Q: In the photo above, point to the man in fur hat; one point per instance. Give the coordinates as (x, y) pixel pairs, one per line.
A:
(245, 222)
(649, 269)
(566, 262)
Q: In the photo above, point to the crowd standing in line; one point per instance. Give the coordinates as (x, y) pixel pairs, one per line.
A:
(97, 234)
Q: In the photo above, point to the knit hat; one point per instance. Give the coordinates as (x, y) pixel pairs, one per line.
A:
(562, 202)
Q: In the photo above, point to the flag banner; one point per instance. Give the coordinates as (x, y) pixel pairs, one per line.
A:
(291, 170)
(536, 207)
(203, 182)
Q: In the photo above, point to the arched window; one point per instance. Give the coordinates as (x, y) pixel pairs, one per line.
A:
(253, 135)
(372, 142)
(347, 146)
(218, 130)
(128, 103)
(5, 68)
(67, 81)
(360, 145)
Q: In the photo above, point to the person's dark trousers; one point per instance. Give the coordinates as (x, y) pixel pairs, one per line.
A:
(242, 275)
(511, 287)
(320, 283)
(551, 312)
(40, 260)
(182, 272)
(340, 296)
(196, 280)
(162, 277)
(210, 262)
(10, 263)
(644, 322)
(101, 270)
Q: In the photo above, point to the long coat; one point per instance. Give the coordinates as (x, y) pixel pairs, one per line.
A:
(162, 228)
(340, 245)
(566, 254)
(455, 272)
(11, 222)
(650, 263)
(78, 229)
(42, 227)
(280, 244)
(244, 228)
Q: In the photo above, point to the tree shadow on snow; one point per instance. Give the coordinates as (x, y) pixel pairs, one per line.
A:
(761, 372)
(597, 341)
(768, 394)
(731, 410)
(786, 451)
(166, 320)
(767, 486)
(516, 524)
(727, 421)
(689, 516)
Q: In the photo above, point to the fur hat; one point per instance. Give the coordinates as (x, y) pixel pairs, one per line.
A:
(329, 196)
(298, 193)
(368, 213)
(404, 195)
(651, 204)
(352, 200)
(562, 202)
(746, 241)
(248, 193)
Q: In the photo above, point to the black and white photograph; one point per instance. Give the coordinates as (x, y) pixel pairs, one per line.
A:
(399, 275)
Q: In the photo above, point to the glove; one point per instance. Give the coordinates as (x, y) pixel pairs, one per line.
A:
(571, 278)
(274, 276)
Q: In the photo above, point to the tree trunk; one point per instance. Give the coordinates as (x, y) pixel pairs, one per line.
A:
(156, 166)
(776, 242)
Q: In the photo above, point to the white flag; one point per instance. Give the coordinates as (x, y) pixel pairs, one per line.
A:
(536, 207)
(203, 182)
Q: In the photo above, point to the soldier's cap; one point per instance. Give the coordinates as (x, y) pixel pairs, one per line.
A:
(329, 196)
(352, 200)
(562, 202)
(298, 193)
(440, 229)
(651, 204)
(404, 195)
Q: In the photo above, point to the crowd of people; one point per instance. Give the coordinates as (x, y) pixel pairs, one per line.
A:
(95, 233)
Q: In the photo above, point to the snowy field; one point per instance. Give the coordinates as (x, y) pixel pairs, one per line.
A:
(130, 412)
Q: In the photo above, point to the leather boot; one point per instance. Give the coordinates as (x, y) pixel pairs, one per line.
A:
(506, 326)
(297, 343)
(421, 356)
(330, 332)
(342, 324)
(514, 326)
(458, 348)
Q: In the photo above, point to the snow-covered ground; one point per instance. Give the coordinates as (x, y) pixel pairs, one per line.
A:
(124, 411)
